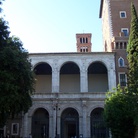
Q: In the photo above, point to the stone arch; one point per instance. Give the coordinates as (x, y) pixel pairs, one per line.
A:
(69, 77)
(69, 61)
(34, 108)
(69, 123)
(40, 123)
(41, 66)
(97, 77)
(43, 76)
(100, 61)
(65, 107)
(94, 107)
(37, 63)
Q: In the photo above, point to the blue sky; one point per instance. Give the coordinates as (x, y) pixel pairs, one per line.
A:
(51, 25)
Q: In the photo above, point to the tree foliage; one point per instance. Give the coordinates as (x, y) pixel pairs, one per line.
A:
(16, 76)
(1, 4)
(118, 115)
(121, 107)
(132, 50)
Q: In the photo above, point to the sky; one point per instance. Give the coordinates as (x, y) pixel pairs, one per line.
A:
(51, 25)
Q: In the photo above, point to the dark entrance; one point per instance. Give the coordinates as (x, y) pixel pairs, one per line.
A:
(98, 128)
(70, 124)
(40, 124)
(1, 133)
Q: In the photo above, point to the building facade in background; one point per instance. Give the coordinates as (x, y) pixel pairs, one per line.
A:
(116, 18)
(71, 87)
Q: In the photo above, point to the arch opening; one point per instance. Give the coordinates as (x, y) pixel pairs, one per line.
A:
(40, 124)
(98, 127)
(97, 78)
(70, 78)
(69, 123)
(43, 76)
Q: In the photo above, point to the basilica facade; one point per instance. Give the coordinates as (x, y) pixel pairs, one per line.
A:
(70, 93)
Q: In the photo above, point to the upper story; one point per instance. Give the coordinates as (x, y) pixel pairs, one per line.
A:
(116, 17)
(92, 72)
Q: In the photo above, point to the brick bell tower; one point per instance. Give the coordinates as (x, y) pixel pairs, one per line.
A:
(83, 42)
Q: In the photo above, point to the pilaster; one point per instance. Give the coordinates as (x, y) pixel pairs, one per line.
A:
(84, 108)
(25, 125)
(55, 79)
(111, 78)
(84, 79)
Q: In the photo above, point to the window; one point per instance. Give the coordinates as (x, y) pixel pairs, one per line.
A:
(122, 79)
(121, 62)
(125, 31)
(15, 128)
(84, 49)
(121, 45)
(80, 40)
(86, 40)
(122, 14)
(125, 45)
(83, 40)
(117, 45)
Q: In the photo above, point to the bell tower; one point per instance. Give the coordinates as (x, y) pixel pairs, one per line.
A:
(83, 42)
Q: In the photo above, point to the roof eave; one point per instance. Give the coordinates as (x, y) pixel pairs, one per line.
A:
(101, 8)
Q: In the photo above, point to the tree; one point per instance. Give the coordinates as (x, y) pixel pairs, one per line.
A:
(16, 76)
(1, 4)
(132, 50)
(118, 115)
(121, 107)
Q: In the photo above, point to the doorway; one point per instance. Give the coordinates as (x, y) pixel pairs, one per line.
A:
(1, 133)
(70, 124)
(40, 124)
(98, 127)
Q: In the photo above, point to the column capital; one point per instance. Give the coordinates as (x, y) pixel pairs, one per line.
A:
(83, 69)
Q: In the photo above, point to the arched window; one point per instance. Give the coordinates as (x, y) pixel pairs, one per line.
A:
(86, 40)
(80, 40)
(83, 40)
(121, 62)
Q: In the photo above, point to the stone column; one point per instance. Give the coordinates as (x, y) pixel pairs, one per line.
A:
(54, 122)
(29, 125)
(58, 125)
(111, 78)
(25, 125)
(56, 119)
(83, 79)
(51, 126)
(55, 80)
(80, 125)
(84, 123)
(89, 126)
